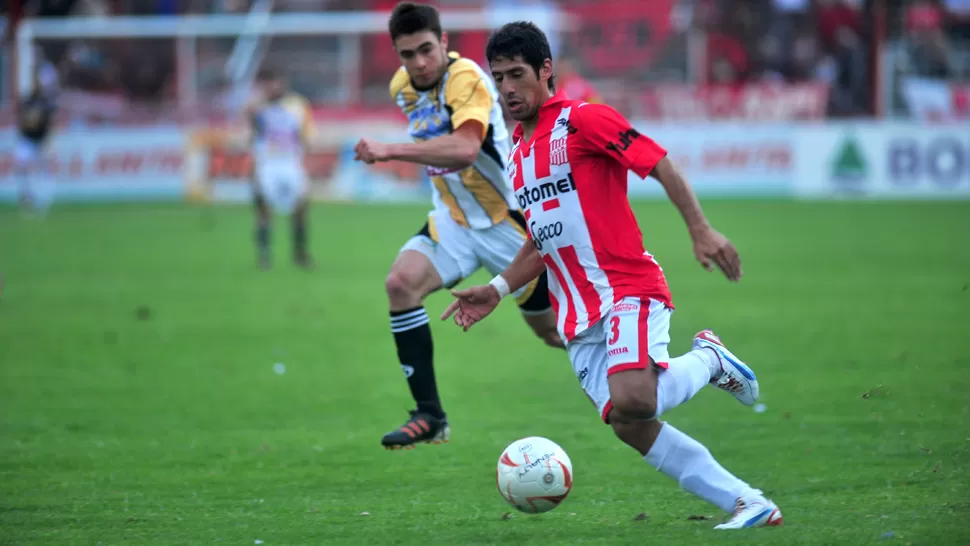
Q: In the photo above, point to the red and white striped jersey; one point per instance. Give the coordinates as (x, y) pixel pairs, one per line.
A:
(570, 180)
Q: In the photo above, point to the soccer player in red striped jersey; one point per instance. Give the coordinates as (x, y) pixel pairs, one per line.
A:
(569, 166)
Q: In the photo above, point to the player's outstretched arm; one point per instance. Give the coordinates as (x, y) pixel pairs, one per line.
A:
(473, 304)
(606, 132)
(709, 245)
(457, 150)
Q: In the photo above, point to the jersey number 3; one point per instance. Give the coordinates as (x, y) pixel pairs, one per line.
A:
(614, 329)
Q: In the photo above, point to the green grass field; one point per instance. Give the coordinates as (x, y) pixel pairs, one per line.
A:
(139, 402)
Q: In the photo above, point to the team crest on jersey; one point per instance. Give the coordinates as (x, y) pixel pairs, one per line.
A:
(557, 152)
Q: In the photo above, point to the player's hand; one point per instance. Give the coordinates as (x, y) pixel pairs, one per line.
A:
(472, 305)
(370, 151)
(712, 247)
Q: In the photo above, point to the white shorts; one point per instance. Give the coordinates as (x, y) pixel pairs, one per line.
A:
(28, 154)
(457, 251)
(282, 185)
(632, 333)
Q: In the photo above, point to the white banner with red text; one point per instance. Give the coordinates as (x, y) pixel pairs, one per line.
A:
(813, 160)
(102, 164)
(720, 160)
(724, 160)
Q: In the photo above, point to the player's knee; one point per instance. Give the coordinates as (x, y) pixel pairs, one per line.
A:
(631, 405)
(548, 334)
(544, 327)
(401, 289)
(640, 435)
(552, 339)
(624, 429)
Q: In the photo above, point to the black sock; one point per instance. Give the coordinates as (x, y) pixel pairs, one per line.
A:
(262, 238)
(415, 350)
(299, 236)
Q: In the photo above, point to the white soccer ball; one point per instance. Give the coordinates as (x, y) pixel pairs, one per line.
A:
(534, 474)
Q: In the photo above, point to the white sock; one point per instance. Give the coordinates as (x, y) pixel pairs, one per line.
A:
(684, 377)
(692, 465)
(42, 191)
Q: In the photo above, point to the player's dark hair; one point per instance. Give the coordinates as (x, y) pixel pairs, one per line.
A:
(411, 18)
(524, 40)
(268, 74)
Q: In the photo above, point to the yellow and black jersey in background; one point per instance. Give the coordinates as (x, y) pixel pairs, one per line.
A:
(479, 196)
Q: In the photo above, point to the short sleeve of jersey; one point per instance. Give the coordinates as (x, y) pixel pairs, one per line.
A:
(307, 127)
(467, 95)
(604, 131)
(299, 107)
(398, 83)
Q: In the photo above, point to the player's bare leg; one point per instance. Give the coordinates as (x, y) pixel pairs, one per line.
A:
(264, 218)
(544, 326)
(412, 277)
(639, 397)
(301, 255)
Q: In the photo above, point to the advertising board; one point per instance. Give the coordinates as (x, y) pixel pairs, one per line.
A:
(884, 160)
(109, 164)
(725, 159)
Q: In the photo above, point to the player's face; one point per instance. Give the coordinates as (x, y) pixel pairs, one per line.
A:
(524, 91)
(424, 56)
(275, 88)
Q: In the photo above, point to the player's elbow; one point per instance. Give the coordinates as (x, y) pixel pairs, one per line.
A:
(468, 155)
(467, 144)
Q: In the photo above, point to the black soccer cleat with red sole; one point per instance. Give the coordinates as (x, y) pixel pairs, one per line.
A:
(421, 428)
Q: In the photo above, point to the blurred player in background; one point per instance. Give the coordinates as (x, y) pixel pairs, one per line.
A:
(34, 124)
(572, 83)
(282, 124)
(611, 296)
(455, 119)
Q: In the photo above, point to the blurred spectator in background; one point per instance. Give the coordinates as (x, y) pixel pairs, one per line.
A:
(621, 48)
(83, 66)
(834, 16)
(930, 62)
(845, 64)
(63, 8)
(959, 17)
(726, 52)
(925, 52)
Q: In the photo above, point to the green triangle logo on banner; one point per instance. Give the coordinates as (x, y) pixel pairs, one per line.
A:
(849, 163)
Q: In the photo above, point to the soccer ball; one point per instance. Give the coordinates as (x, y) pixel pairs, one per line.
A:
(534, 474)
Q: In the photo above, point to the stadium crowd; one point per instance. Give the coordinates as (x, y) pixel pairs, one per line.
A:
(835, 42)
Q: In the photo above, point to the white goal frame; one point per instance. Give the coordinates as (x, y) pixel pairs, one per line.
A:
(348, 26)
